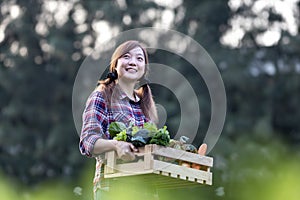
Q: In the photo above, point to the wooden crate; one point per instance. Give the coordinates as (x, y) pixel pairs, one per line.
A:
(163, 165)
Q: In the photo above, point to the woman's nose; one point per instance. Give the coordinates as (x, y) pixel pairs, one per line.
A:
(132, 61)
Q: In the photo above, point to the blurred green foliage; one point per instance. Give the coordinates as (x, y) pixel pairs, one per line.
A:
(255, 170)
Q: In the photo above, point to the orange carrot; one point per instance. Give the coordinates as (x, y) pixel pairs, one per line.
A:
(202, 149)
(195, 166)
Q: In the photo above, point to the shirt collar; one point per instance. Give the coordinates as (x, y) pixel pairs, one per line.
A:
(123, 95)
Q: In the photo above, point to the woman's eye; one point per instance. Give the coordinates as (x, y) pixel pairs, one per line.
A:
(126, 56)
(140, 58)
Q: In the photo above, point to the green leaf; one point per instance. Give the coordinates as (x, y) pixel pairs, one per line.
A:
(134, 130)
(115, 128)
(122, 136)
(150, 127)
(161, 137)
(141, 138)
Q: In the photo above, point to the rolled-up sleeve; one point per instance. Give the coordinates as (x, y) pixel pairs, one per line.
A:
(95, 122)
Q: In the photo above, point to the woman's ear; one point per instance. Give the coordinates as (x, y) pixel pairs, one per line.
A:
(116, 65)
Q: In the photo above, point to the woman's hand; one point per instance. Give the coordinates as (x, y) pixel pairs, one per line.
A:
(125, 150)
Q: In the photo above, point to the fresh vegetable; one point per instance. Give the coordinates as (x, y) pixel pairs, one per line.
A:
(139, 136)
(134, 130)
(202, 149)
(182, 144)
(190, 148)
(150, 134)
(161, 137)
(122, 136)
(196, 166)
(150, 127)
(115, 128)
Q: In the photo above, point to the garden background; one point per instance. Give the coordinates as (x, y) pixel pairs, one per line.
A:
(255, 44)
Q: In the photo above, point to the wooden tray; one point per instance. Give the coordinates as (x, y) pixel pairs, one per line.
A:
(157, 162)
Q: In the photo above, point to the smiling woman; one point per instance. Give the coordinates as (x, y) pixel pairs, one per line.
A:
(130, 68)
(115, 99)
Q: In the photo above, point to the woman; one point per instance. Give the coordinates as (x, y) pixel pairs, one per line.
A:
(116, 99)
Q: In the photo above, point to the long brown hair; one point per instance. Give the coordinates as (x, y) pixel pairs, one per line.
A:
(144, 92)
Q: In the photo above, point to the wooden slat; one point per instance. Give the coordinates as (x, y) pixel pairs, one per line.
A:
(111, 162)
(156, 180)
(184, 172)
(128, 169)
(147, 165)
(168, 182)
(148, 157)
(123, 173)
(182, 155)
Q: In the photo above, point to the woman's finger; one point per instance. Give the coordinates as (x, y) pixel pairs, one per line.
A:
(133, 148)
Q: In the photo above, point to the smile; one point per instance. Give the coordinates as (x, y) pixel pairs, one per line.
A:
(131, 69)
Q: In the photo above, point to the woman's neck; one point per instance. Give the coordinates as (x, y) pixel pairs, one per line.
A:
(128, 88)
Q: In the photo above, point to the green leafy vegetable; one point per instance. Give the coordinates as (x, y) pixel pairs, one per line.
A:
(115, 128)
(139, 136)
(161, 137)
(122, 136)
(134, 130)
(150, 127)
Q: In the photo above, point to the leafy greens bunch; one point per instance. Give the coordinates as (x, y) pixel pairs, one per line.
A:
(139, 136)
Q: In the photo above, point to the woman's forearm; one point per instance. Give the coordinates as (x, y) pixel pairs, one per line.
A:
(103, 145)
(124, 150)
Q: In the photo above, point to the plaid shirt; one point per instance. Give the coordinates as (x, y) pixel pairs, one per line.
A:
(98, 115)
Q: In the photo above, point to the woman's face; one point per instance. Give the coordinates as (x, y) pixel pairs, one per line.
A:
(131, 66)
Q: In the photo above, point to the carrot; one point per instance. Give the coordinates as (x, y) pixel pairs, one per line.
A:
(196, 166)
(202, 149)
